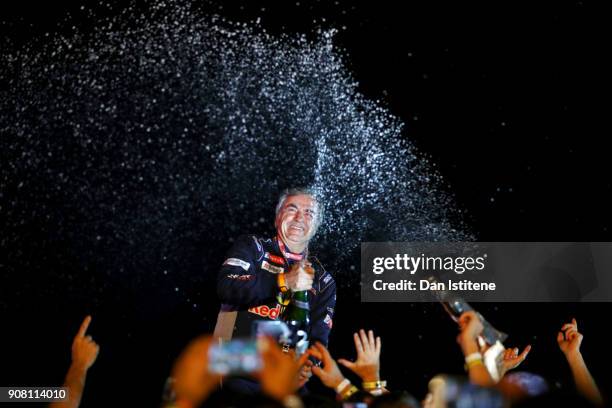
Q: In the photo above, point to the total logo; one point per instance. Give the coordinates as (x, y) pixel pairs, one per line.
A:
(266, 311)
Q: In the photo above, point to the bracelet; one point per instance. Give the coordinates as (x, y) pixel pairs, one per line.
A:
(343, 384)
(473, 363)
(472, 360)
(282, 282)
(350, 391)
(473, 357)
(377, 392)
(372, 385)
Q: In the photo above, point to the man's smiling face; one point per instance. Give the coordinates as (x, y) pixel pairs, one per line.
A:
(296, 221)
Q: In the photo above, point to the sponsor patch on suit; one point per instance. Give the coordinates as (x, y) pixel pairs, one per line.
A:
(271, 268)
(237, 262)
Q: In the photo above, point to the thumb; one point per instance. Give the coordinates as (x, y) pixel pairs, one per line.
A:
(348, 364)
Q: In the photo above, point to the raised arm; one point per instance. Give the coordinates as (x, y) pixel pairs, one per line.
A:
(84, 354)
(471, 327)
(569, 340)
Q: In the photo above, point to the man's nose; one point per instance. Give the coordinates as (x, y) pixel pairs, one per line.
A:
(299, 215)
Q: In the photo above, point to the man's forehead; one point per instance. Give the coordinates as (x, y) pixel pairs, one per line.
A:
(301, 200)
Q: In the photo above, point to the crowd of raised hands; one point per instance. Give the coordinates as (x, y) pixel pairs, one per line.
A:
(283, 376)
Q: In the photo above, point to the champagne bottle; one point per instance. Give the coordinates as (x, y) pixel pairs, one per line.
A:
(297, 311)
(297, 315)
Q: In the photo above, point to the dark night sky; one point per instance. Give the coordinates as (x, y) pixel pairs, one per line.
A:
(504, 97)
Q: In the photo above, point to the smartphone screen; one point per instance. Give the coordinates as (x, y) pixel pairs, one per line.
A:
(236, 357)
(277, 330)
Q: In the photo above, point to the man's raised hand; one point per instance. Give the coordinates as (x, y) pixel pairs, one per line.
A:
(367, 365)
(84, 349)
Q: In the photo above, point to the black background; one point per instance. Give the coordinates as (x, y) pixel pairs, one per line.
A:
(505, 98)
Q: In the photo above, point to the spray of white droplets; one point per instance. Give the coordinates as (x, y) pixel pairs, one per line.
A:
(153, 141)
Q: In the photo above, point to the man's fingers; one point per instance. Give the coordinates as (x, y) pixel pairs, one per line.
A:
(84, 326)
(318, 371)
(568, 326)
(308, 268)
(364, 340)
(313, 351)
(303, 360)
(358, 345)
(371, 339)
(523, 355)
(378, 344)
(466, 317)
(560, 337)
(326, 357)
(305, 373)
(570, 332)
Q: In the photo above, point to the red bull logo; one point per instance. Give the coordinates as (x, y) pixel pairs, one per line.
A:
(266, 311)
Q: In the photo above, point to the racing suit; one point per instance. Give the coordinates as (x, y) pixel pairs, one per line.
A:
(247, 284)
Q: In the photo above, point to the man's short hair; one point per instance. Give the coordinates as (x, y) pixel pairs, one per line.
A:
(302, 191)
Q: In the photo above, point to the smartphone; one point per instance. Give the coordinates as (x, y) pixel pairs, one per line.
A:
(278, 330)
(236, 357)
(455, 391)
(284, 334)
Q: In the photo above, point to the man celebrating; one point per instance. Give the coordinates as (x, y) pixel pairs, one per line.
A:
(259, 274)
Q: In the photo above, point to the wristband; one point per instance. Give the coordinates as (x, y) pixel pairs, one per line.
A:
(473, 357)
(343, 384)
(473, 363)
(372, 385)
(348, 392)
(472, 360)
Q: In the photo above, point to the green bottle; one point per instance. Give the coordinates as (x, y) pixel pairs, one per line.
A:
(297, 312)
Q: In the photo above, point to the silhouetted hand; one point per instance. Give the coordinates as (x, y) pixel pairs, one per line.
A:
(84, 354)
(471, 327)
(305, 373)
(84, 349)
(570, 339)
(330, 375)
(192, 380)
(279, 373)
(367, 365)
(512, 359)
